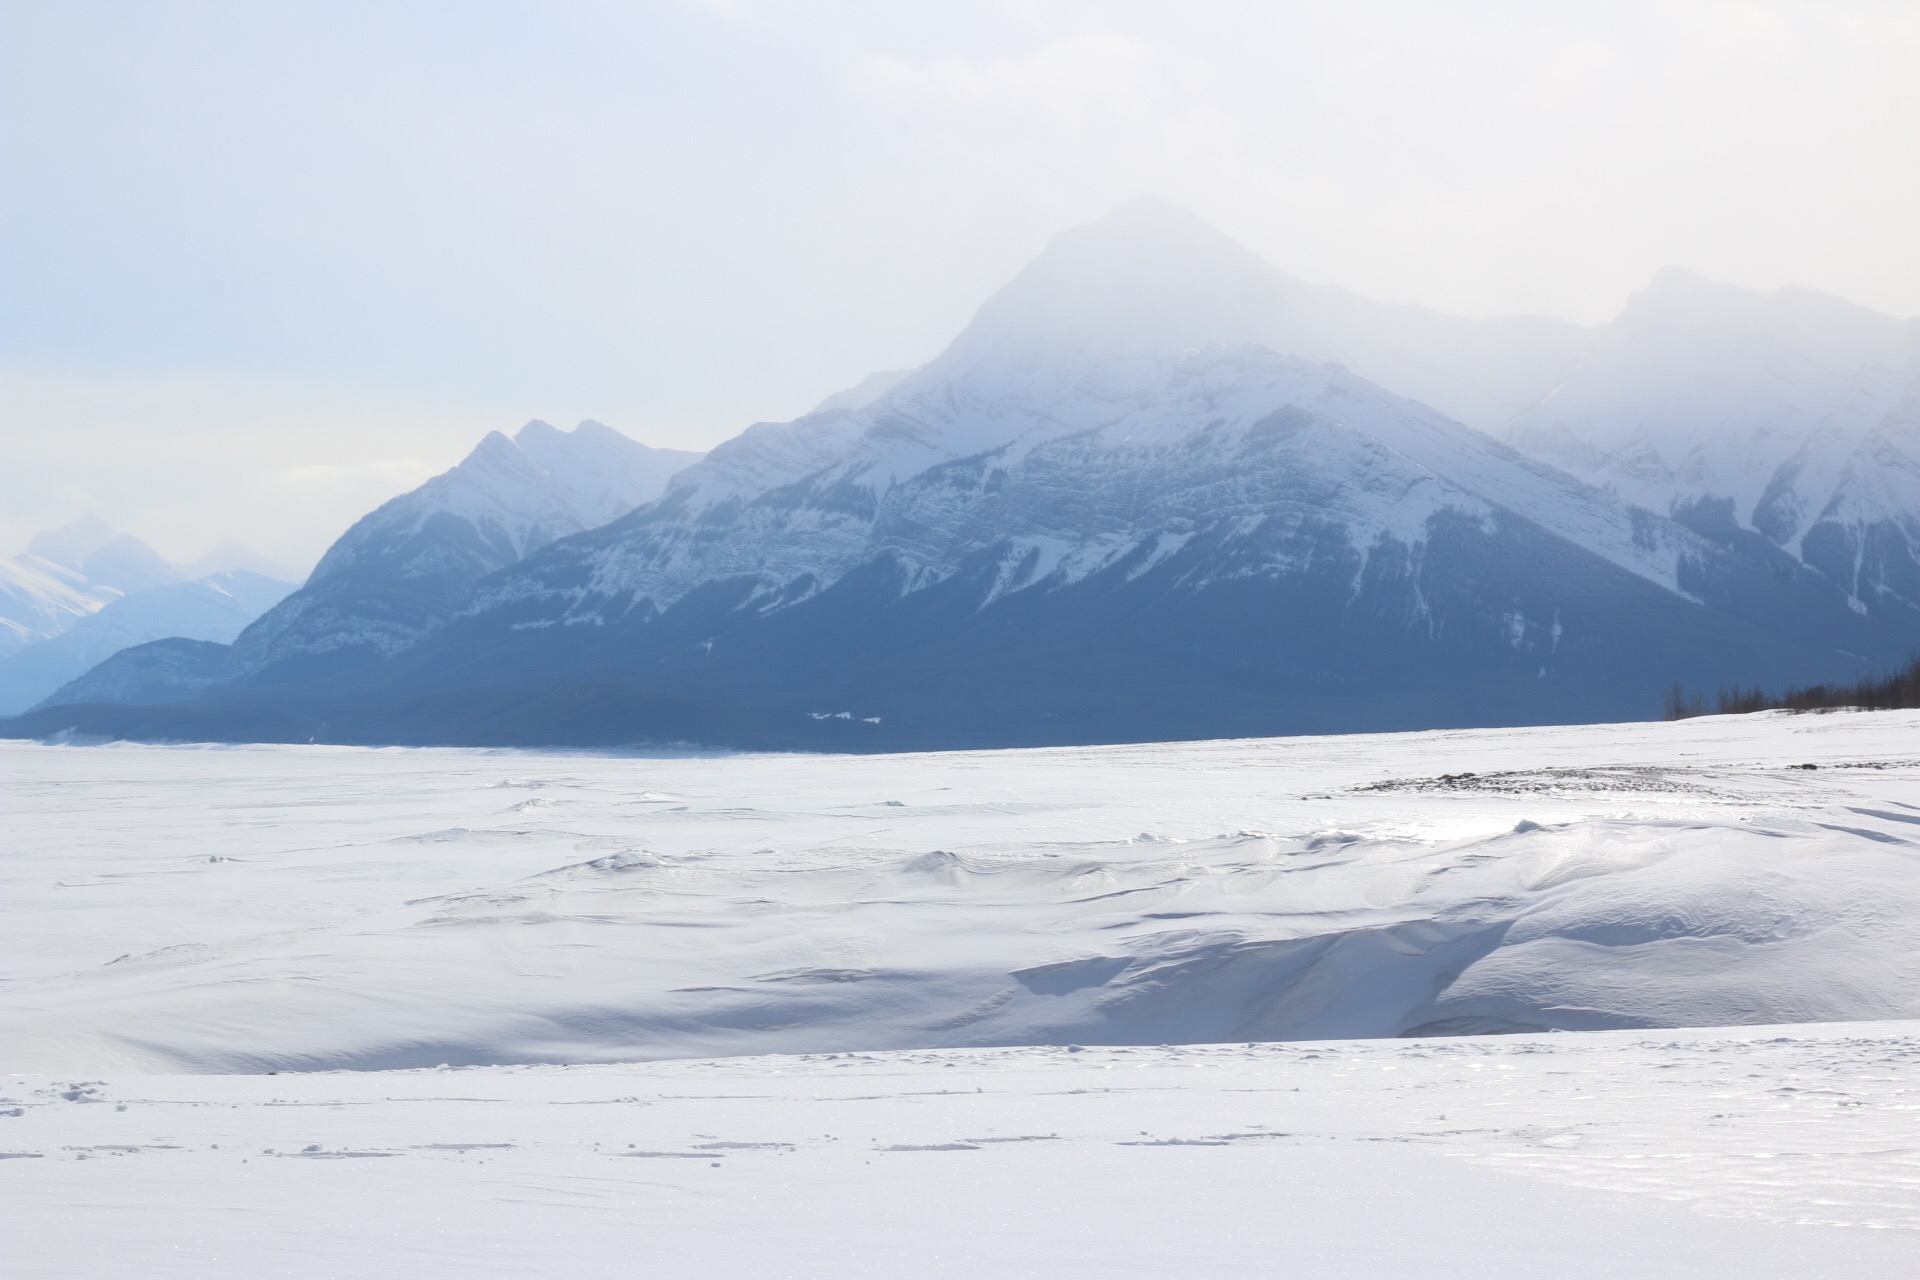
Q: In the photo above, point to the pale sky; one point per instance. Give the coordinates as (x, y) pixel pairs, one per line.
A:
(263, 266)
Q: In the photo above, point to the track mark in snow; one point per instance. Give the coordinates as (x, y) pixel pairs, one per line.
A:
(746, 1146)
(931, 1146)
(462, 1146)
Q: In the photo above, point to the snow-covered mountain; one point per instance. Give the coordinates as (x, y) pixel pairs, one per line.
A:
(214, 608)
(105, 557)
(1103, 511)
(84, 591)
(70, 573)
(1155, 489)
(1145, 332)
(1106, 464)
(1792, 415)
(400, 571)
(38, 600)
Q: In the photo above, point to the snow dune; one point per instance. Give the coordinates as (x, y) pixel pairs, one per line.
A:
(295, 908)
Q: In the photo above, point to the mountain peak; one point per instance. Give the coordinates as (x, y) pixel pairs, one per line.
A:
(536, 429)
(1148, 216)
(1672, 281)
(103, 555)
(423, 549)
(1147, 279)
(71, 544)
(494, 442)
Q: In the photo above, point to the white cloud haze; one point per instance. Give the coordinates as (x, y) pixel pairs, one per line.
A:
(262, 266)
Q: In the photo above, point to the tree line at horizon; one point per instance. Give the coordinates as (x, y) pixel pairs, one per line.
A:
(1897, 689)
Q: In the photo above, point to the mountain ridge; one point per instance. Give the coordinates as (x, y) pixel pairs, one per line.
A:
(400, 570)
(1135, 498)
(1793, 416)
(211, 609)
(68, 574)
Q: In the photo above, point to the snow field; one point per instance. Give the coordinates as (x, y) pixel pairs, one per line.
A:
(299, 908)
(1732, 1153)
(1170, 945)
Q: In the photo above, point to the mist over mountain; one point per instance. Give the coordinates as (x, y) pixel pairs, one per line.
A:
(214, 608)
(1155, 489)
(70, 573)
(228, 555)
(85, 591)
(1793, 416)
(104, 557)
(1151, 279)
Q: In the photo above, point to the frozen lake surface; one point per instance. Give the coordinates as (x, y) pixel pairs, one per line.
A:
(916, 940)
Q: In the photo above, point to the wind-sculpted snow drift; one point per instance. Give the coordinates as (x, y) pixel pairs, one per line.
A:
(306, 908)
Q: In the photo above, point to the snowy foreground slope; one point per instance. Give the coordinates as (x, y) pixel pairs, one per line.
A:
(172, 914)
(1713, 1155)
(298, 908)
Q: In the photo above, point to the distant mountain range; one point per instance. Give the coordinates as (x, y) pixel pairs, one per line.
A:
(69, 573)
(1156, 489)
(402, 570)
(214, 608)
(85, 591)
